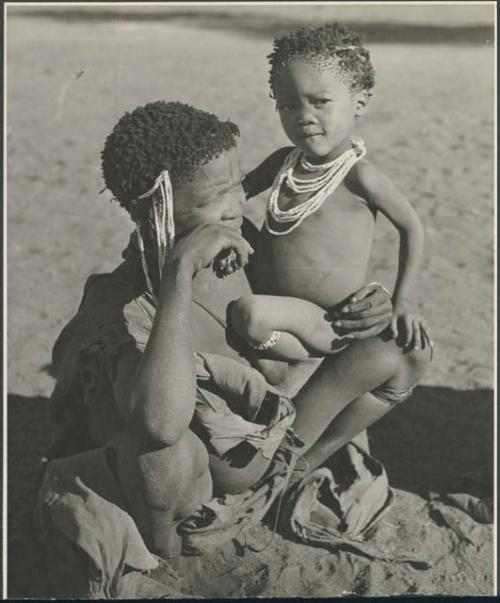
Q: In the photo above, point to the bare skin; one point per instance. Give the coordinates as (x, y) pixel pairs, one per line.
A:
(327, 257)
(163, 467)
(305, 277)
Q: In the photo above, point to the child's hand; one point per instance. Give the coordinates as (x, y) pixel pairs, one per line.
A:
(410, 326)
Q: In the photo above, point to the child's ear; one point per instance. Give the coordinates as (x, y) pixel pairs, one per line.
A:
(361, 99)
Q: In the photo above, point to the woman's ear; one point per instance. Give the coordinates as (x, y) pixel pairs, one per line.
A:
(361, 99)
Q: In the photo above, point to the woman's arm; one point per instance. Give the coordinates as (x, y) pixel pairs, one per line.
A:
(262, 177)
(158, 390)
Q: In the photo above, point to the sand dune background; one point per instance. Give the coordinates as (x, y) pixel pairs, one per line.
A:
(430, 126)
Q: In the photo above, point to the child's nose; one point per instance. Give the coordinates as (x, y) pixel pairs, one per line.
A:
(305, 116)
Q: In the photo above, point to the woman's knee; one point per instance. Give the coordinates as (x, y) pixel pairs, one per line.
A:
(149, 477)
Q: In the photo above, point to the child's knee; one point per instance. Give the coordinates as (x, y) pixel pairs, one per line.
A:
(417, 361)
(247, 318)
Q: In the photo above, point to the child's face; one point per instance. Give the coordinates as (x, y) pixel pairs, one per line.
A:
(214, 194)
(317, 109)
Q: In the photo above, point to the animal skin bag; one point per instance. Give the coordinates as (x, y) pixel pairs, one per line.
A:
(334, 506)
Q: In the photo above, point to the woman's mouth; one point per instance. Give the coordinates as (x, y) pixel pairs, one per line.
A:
(234, 223)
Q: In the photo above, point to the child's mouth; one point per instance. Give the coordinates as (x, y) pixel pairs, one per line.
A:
(310, 136)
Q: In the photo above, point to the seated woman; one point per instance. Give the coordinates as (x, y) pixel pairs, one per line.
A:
(129, 361)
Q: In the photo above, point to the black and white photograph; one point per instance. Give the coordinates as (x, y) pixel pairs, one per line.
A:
(249, 299)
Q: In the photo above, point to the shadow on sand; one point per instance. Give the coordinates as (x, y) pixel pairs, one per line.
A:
(440, 440)
(29, 432)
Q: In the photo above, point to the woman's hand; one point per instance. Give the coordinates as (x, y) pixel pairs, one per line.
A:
(199, 248)
(365, 313)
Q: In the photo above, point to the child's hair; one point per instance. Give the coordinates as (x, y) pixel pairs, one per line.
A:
(329, 42)
(161, 136)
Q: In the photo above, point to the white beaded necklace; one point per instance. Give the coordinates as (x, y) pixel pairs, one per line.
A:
(321, 186)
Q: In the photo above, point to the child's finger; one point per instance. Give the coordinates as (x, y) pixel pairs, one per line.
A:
(394, 327)
(408, 329)
(427, 330)
(423, 337)
(427, 339)
(417, 340)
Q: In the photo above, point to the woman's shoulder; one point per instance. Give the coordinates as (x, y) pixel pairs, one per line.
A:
(262, 176)
(111, 313)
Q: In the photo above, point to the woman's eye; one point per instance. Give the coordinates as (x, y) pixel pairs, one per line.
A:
(285, 107)
(320, 101)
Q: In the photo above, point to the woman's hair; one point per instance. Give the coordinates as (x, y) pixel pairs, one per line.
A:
(161, 136)
(326, 43)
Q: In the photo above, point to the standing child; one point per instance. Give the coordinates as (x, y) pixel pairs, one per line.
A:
(315, 246)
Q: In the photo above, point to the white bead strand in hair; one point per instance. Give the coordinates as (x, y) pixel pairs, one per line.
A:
(321, 186)
(164, 225)
(144, 262)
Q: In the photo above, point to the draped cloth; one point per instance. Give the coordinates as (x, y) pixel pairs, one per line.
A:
(82, 514)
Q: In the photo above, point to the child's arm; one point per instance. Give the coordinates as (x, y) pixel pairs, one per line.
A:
(305, 329)
(382, 194)
(262, 177)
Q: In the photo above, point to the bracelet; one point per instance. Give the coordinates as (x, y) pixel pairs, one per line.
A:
(269, 343)
(375, 283)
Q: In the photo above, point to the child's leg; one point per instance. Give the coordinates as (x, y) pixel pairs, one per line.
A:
(294, 329)
(358, 415)
(338, 394)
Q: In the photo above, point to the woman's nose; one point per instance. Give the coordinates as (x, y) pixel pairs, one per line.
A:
(234, 206)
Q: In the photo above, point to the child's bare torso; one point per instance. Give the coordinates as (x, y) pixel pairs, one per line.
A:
(326, 258)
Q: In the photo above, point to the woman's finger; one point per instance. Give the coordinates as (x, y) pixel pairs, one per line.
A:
(380, 296)
(359, 306)
(364, 309)
(366, 333)
(377, 299)
(360, 294)
(364, 323)
(242, 249)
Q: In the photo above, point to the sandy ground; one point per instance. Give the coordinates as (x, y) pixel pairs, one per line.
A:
(430, 127)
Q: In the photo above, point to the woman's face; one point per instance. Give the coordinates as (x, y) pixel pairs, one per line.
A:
(214, 194)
